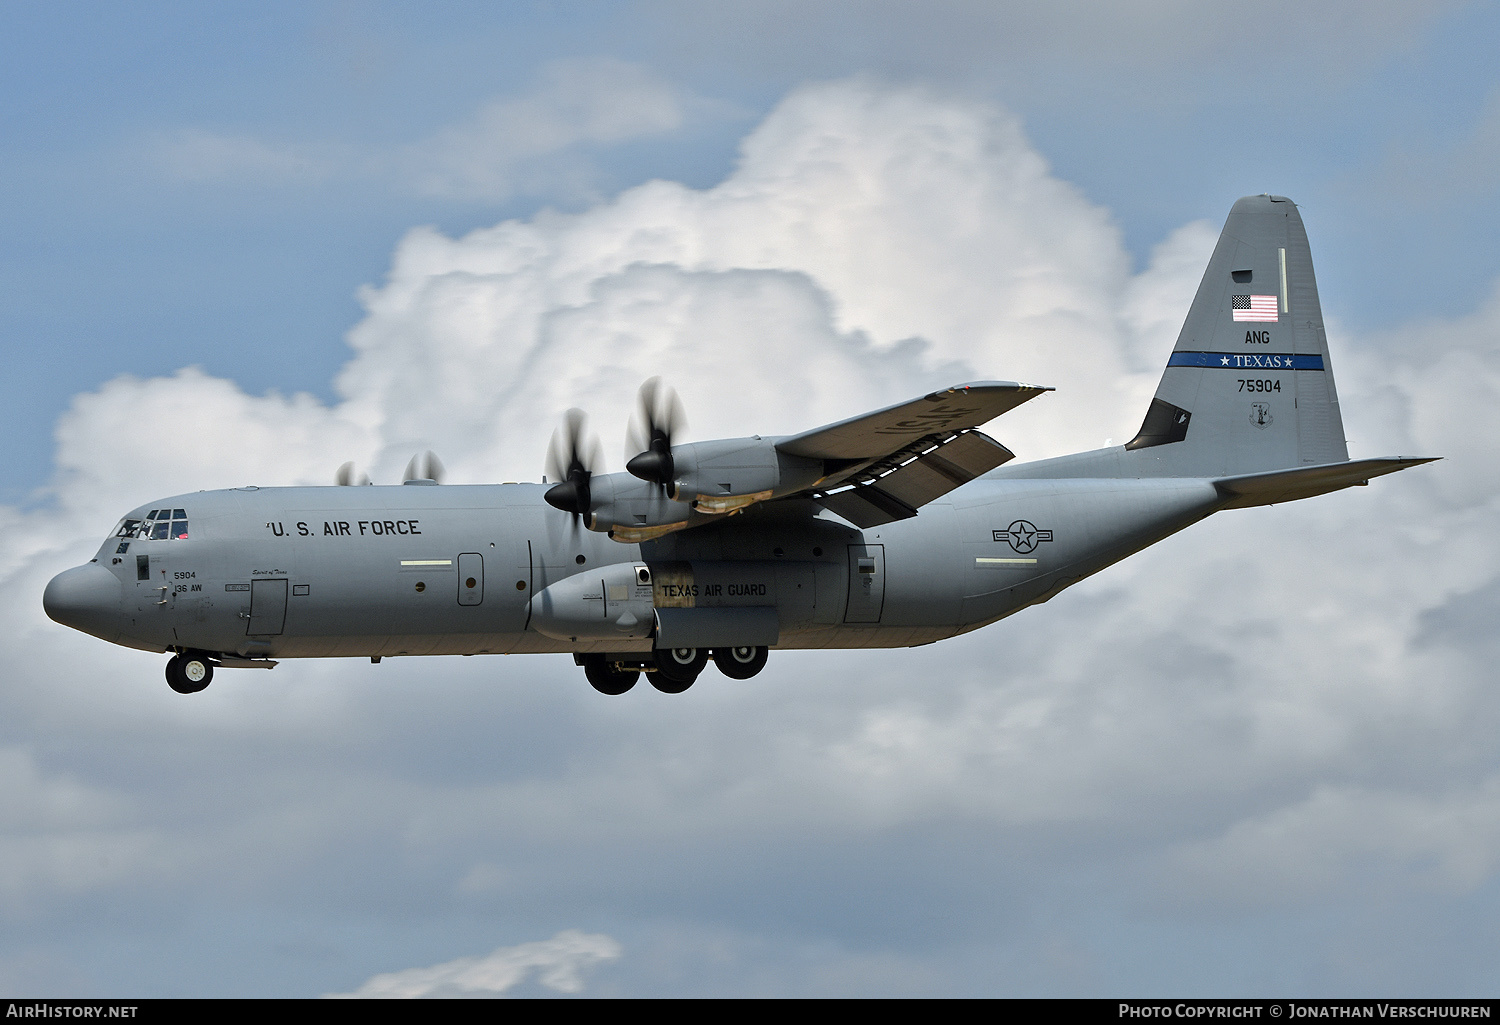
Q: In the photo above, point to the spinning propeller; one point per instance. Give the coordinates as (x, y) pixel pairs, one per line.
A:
(425, 466)
(572, 459)
(345, 476)
(658, 417)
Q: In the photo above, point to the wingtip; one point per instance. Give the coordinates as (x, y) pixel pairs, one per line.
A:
(985, 385)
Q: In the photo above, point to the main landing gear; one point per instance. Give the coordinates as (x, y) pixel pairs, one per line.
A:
(740, 663)
(607, 678)
(189, 672)
(677, 668)
(670, 670)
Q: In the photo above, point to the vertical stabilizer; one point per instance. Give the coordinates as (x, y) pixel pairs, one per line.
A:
(1249, 387)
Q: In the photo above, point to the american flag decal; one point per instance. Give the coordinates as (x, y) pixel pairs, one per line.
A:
(1254, 307)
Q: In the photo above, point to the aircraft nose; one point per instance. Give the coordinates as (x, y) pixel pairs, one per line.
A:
(86, 598)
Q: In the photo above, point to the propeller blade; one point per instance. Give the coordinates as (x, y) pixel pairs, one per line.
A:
(658, 418)
(345, 476)
(573, 457)
(425, 466)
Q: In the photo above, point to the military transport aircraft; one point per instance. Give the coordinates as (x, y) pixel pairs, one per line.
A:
(899, 527)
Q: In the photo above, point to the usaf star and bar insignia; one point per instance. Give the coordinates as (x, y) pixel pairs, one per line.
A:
(1023, 536)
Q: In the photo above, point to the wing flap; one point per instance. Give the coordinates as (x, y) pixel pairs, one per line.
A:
(896, 488)
(937, 472)
(866, 506)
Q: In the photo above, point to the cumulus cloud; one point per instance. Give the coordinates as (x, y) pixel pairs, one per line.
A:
(873, 239)
(1264, 701)
(559, 964)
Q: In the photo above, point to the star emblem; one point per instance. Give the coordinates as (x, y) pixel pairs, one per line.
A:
(1023, 536)
(1224, 362)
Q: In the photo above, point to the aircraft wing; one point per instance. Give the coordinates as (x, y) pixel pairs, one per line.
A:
(873, 436)
(887, 464)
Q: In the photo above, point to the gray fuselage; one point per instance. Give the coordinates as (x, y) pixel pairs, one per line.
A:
(473, 569)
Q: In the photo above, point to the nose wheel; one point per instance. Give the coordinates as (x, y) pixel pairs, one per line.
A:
(188, 674)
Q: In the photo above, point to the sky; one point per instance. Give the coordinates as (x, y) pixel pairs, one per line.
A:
(245, 245)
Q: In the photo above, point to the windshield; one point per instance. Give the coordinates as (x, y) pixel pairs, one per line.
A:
(159, 525)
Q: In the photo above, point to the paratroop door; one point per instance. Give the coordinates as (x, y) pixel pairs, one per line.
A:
(866, 583)
(470, 578)
(267, 606)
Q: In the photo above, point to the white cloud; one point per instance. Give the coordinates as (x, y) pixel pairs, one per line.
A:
(870, 238)
(559, 964)
(1156, 300)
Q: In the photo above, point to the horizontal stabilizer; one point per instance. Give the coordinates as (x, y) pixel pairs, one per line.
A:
(895, 488)
(1307, 481)
(878, 434)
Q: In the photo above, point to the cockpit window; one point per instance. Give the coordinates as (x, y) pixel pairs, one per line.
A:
(159, 524)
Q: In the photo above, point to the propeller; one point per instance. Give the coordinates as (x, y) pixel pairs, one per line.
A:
(345, 476)
(572, 458)
(425, 466)
(658, 417)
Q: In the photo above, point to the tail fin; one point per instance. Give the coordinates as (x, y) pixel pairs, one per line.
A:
(1249, 387)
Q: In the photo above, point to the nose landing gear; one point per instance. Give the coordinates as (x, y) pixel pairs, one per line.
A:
(189, 673)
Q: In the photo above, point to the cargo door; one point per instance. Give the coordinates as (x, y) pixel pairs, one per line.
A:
(866, 584)
(267, 607)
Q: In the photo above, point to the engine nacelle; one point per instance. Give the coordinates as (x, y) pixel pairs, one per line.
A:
(713, 478)
(633, 510)
(726, 476)
(606, 604)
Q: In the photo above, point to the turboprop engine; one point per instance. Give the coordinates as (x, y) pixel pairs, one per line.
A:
(667, 487)
(713, 478)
